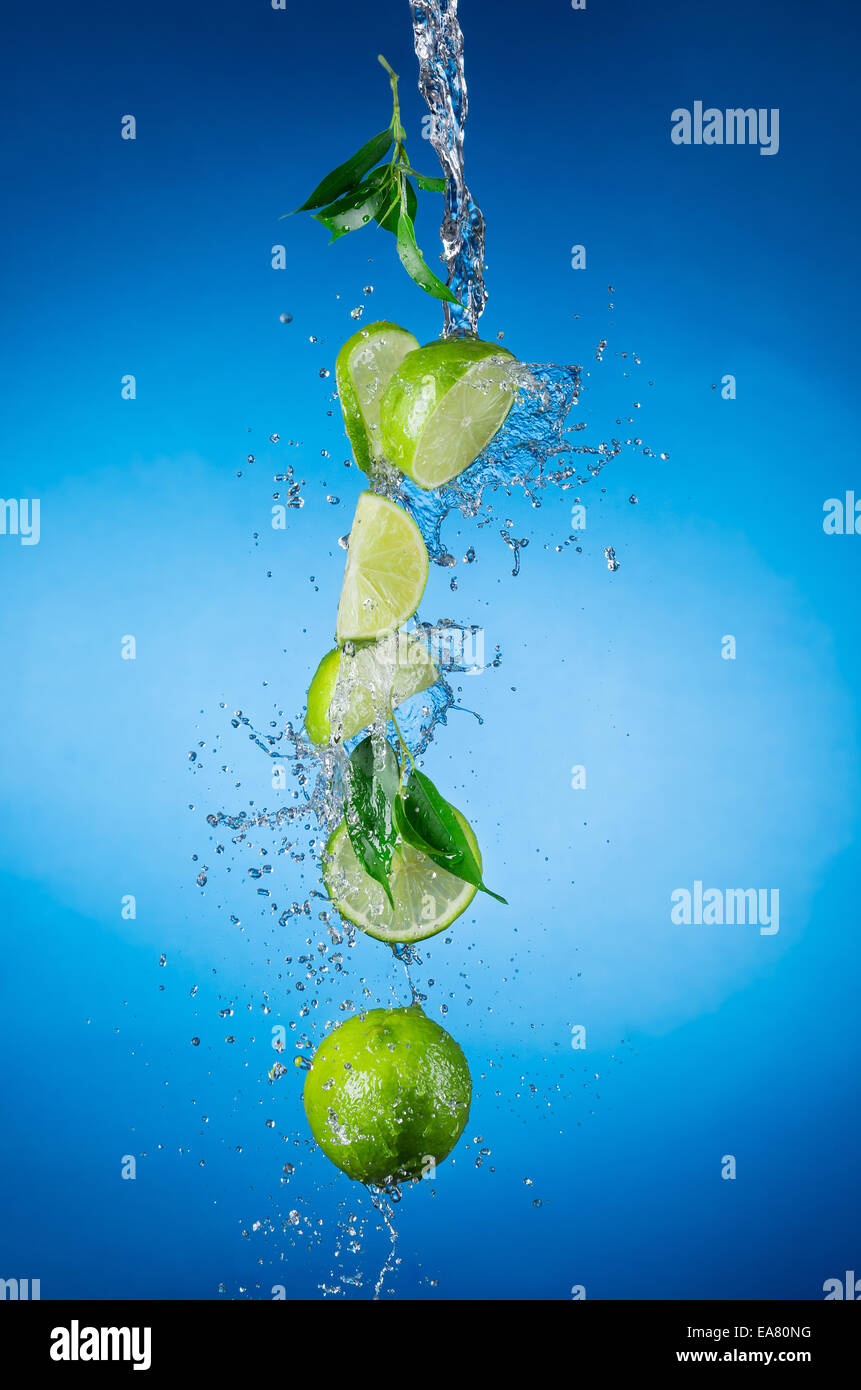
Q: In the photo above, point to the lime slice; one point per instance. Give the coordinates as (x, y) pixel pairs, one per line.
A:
(350, 690)
(427, 898)
(362, 372)
(443, 406)
(387, 1095)
(386, 573)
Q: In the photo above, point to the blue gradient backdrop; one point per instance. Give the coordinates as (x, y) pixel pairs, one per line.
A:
(152, 257)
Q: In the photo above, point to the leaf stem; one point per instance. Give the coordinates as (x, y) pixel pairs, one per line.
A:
(398, 131)
(399, 159)
(402, 742)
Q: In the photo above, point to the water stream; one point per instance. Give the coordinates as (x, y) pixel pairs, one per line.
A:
(439, 49)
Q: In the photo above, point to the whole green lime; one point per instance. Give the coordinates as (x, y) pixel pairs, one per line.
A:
(387, 1095)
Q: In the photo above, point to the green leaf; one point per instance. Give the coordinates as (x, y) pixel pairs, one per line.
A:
(429, 823)
(428, 183)
(408, 832)
(371, 784)
(411, 258)
(388, 218)
(356, 209)
(348, 174)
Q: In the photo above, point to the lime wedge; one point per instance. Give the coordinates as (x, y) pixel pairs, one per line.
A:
(362, 372)
(443, 406)
(427, 899)
(386, 573)
(350, 690)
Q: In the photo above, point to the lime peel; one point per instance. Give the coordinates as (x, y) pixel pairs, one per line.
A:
(363, 369)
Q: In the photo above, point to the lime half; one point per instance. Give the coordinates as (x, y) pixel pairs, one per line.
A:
(443, 406)
(427, 898)
(387, 1095)
(362, 372)
(386, 573)
(351, 689)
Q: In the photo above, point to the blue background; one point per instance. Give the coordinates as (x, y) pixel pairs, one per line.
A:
(152, 257)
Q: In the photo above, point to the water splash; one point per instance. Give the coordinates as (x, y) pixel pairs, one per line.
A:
(534, 448)
(439, 49)
(312, 776)
(381, 1199)
(541, 445)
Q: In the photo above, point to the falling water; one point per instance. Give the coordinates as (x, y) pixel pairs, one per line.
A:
(537, 446)
(543, 444)
(439, 49)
